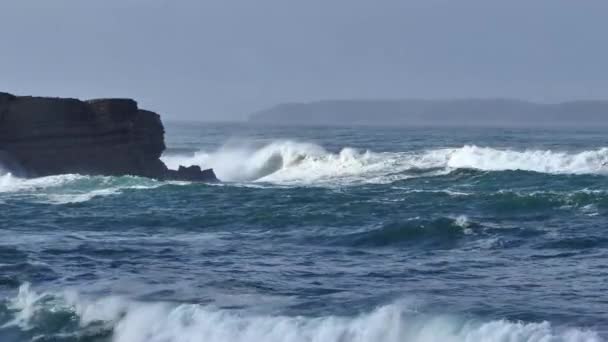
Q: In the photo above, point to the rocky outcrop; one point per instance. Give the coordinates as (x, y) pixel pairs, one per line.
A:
(42, 136)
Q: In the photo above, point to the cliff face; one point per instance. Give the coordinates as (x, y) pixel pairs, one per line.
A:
(42, 136)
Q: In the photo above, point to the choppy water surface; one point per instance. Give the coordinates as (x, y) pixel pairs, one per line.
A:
(318, 234)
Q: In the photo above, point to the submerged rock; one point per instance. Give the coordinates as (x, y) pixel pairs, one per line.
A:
(41, 136)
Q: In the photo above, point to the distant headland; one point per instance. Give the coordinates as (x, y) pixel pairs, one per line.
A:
(459, 112)
(41, 136)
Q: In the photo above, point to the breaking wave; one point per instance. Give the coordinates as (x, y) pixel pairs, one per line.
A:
(287, 162)
(69, 316)
(71, 188)
(291, 162)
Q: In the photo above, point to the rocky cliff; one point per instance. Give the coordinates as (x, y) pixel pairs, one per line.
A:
(42, 136)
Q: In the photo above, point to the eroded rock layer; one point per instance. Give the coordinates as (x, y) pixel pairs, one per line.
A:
(41, 136)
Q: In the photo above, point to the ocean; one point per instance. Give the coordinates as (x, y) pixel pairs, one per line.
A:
(318, 234)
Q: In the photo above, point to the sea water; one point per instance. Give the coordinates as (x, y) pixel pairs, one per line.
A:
(324, 234)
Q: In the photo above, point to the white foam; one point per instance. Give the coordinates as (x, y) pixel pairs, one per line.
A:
(72, 188)
(545, 161)
(26, 304)
(291, 162)
(287, 162)
(10, 183)
(78, 198)
(433, 191)
(132, 321)
(462, 221)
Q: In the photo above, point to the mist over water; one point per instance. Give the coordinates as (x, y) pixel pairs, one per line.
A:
(307, 163)
(318, 234)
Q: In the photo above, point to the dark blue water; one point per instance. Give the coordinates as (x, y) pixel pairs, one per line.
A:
(318, 234)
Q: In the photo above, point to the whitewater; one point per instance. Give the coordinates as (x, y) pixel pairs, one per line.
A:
(307, 163)
(130, 322)
(332, 234)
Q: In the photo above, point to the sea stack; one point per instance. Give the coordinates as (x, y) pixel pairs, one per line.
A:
(42, 136)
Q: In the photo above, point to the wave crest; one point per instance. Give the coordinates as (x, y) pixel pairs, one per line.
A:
(127, 321)
(543, 161)
(287, 162)
(291, 162)
(72, 188)
(443, 232)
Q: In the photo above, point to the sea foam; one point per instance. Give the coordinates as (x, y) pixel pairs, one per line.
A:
(131, 321)
(287, 162)
(292, 162)
(71, 188)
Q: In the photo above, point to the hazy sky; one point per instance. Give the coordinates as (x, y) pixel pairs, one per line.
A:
(221, 60)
